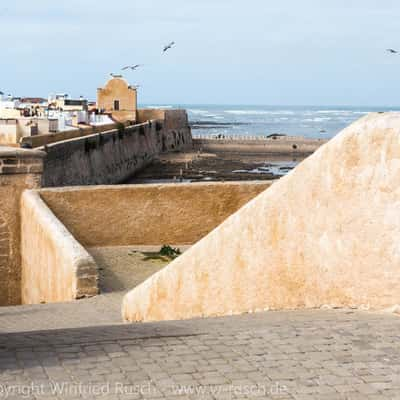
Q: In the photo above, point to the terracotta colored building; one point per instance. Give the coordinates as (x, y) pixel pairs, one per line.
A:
(118, 98)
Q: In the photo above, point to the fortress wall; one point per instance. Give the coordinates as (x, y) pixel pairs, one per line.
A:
(42, 140)
(327, 234)
(55, 267)
(147, 214)
(111, 157)
(293, 146)
(19, 170)
(175, 118)
(148, 114)
(106, 158)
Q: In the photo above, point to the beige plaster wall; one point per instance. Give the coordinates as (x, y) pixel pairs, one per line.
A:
(26, 126)
(13, 131)
(8, 132)
(147, 214)
(118, 89)
(55, 267)
(327, 234)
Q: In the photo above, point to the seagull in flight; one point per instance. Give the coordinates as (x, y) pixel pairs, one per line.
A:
(132, 67)
(168, 46)
(392, 51)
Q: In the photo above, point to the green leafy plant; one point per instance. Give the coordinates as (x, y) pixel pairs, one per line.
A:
(170, 252)
(166, 253)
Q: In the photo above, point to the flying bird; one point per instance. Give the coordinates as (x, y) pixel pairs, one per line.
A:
(115, 75)
(392, 51)
(168, 46)
(132, 67)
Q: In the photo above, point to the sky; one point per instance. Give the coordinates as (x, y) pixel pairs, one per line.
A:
(286, 52)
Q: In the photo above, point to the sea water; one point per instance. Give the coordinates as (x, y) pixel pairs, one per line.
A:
(307, 121)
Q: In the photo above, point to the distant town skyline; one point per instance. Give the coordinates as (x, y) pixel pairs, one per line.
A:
(226, 51)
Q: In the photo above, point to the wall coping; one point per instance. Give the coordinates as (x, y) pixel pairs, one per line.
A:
(147, 185)
(96, 134)
(6, 151)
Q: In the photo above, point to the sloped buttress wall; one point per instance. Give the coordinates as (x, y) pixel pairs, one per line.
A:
(326, 234)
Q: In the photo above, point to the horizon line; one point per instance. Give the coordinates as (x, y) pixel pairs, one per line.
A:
(264, 105)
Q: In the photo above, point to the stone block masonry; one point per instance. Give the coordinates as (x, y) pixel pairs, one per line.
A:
(114, 156)
(19, 170)
(13, 164)
(5, 251)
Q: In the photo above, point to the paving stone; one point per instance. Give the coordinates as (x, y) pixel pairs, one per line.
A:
(311, 354)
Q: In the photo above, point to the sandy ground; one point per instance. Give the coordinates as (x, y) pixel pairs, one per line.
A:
(124, 267)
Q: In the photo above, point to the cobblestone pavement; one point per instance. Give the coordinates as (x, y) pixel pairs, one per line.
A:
(121, 269)
(317, 354)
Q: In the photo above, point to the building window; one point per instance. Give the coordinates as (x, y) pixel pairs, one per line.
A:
(116, 105)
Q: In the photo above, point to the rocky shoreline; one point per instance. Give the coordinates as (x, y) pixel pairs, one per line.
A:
(230, 160)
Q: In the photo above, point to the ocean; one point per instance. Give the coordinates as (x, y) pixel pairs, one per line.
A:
(307, 121)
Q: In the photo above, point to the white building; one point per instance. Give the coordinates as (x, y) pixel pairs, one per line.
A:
(36, 116)
(8, 102)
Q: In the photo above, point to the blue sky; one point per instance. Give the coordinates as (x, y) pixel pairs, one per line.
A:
(293, 52)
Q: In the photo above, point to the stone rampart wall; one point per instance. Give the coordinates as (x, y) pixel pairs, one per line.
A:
(19, 170)
(111, 157)
(42, 140)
